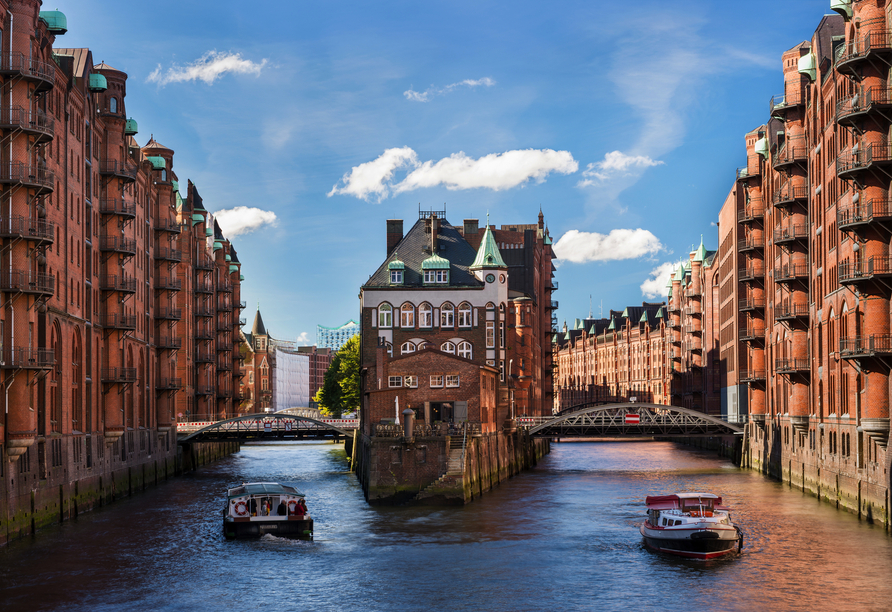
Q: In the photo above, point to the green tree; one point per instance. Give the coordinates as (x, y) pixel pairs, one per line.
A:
(340, 385)
(329, 395)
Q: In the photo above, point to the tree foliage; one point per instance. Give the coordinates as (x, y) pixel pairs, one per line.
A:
(340, 385)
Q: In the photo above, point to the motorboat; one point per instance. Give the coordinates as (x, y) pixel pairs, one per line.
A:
(693, 525)
(254, 509)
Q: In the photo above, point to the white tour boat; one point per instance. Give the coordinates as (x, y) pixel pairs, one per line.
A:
(257, 508)
(693, 525)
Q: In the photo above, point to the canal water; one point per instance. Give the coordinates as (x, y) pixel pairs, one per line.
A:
(563, 536)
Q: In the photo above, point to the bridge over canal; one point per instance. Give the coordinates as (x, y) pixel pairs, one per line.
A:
(274, 426)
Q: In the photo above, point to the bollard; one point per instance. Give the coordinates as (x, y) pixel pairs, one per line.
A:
(409, 424)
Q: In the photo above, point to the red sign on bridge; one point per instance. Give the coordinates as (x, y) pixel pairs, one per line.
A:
(633, 419)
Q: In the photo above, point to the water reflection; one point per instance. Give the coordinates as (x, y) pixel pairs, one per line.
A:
(564, 535)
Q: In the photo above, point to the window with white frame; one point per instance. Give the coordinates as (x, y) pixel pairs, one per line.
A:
(410, 381)
(448, 347)
(425, 315)
(447, 315)
(385, 315)
(389, 348)
(501, 334)
(396, 277)
(490, 334)
(436, 380)
(406, 348)
(395, 381)
(464, 315)
(452, 380)
(436, 277)
(464, 350)
(407, 315)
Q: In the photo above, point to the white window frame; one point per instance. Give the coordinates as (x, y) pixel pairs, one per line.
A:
(436, 381)
(410, 382)
(464, 314)
(490, 334)
(465, 350)
(395, 381)
(425, 315)
(396, 277)
(385, 316)
(452, 381)
(407, 348)
(448, 347)
(407, 315)
(447, 316)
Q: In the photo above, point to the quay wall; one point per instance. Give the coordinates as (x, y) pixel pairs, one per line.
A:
(50, 494)
(393, 470)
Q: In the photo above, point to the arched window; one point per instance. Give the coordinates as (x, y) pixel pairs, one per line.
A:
(112, 105)
(164, 174)
(447, 315)
(407, 347)
(448, 347)
(407, 315)
(464, 350)
(385, 315)
(425, 315)
(464, 315)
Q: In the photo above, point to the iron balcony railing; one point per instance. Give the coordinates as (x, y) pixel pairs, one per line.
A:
(17, 173)
(205, 312)
(791, 272)
(169, 384)
(862, 102)
(117, 321)
(870, 155)
(168, 254)
(788, 194)
(224, 306)
(552, 306)
(120, 169)
(117, 206)
(204, 390)
(168, 283)
(794, 150)
(26, 358)
(752, 168)
(117, 244)
(224, 365)
(34, 122)
(752, 211)
(44, 73)
(786, 366)
(790, 233)
(118, 375)
(752, 333)
(875, 209)
(750, 243)
(169, 342)
(224, 326)
(692, 308)
(114, 282)
(242, 304)
(751, 303)
(204, 334)
(201, 357)
(861, 346)
(168, 225)
(27, 282)
(27, 228)
(751, 272)
(165, 312)
(780, 103)
(789, 310)
(224, 347)
(849, 55)
(852, 271)
(203, 287)
(224, 287)
(202, 263)
(752, 375)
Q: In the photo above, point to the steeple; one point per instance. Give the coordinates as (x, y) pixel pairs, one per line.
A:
(488, 255)
(258, 329)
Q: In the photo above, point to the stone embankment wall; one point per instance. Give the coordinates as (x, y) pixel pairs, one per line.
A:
(434, 471)
(26, 506)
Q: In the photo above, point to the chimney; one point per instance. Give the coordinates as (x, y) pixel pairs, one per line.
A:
(434, 226)
(471, 226)
(394, 234)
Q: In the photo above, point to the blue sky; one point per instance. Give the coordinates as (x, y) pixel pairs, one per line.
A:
(623, 121)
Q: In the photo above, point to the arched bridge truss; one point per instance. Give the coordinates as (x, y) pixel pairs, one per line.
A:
(629, 420)
(268, 427)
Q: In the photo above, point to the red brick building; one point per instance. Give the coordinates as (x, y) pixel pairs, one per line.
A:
(102, 269)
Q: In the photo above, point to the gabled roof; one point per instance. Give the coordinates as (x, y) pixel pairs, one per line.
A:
(156, 146)
(488, 256)
(414, 249)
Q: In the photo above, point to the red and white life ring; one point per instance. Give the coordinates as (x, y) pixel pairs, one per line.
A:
(292, 506)
(241, 508)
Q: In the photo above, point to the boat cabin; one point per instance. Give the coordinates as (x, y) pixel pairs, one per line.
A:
(671, 510)
(265, 499)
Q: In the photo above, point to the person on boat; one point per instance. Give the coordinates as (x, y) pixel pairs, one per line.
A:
(253, 506)
(301, 507)
(281, 510)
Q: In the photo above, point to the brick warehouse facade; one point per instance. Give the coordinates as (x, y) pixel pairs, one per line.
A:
(110, 281)
(456, 326)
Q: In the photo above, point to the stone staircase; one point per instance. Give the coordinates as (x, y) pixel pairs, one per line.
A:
(455, 471)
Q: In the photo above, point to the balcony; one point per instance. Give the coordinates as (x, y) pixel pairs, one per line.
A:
(874, 156)
(117, 244)
(790, 233)
(791, 366)
(746, 304)
(26, 358)
(224, 393)
(852, 57)
(693, 292)
(33, 177)
(694, 344)
(204, 334)
(121, 283)
(37, 123)
(167, 283)
(201, 357)
(224, 287)
(793, 151)
(788, 311)
(553, 305)
(751, 273)
(852, 273)
(168, 225)
(117, 321)
(692, 308)
(242, 304)
(21, 281)
(203, 287)
(752, 334)
(169, 314)
(789, 194)
(38, 230)
(115, 206)
(752, 211)
(203, 263)
(750, 376)
(224, 365)
(224, 307)
(117, 169)
(853, 216)
(168, 254)
(858, 347)
(851, 110)
(118, 375)
(750, 243)
(204, 390)
(224, 347)
(224, 326)
(169, 384)
(789, 273)
(42, 74)
(242, 322)
(552, 286)
(205, 312)
(168, 342)
(778, 106)
(753, 167)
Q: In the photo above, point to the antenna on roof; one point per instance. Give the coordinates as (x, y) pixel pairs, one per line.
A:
(589, 305)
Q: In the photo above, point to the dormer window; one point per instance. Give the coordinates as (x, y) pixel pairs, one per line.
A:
(397, 272)
(436, 277)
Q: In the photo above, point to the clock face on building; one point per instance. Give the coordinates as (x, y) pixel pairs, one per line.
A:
(490, 278)
(502, 278)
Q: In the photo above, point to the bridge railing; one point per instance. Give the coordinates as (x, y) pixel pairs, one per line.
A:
(267, 423)
(422, 430)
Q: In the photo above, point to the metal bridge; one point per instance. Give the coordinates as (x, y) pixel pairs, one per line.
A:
(629, 420)
(275, 426)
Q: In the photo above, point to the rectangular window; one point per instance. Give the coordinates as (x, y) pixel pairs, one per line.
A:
(411, 382)
(436, 277)
(436, 380)
(490, 334)
(396, 277)
(395, 381)
(452, 380)
(502, 334)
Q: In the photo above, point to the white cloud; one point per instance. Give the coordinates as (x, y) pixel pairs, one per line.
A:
(615, 163)
(430, 92)
(243, 220)
(303, 339)
(582, 247)
(208, 68)
(655, 285)
(496, 171)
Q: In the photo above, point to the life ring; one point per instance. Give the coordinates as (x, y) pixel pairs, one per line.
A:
(241, 508)
(292, 507)
(695, 513)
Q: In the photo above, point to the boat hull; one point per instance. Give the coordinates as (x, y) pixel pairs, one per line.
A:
(702, 544)
(245, 528)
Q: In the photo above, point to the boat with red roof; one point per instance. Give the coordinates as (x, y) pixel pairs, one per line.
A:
(693, 525)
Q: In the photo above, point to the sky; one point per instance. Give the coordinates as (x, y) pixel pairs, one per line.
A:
(306, 125)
